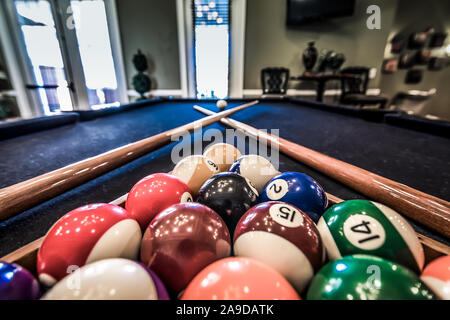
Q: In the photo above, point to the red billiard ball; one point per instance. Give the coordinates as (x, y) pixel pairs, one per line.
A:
(437, 276)
(153, 194)
(181, 241)
(283, 237)
(84, 235)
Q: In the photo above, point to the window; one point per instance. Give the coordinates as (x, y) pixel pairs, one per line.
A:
(68, 57)
(211, 45)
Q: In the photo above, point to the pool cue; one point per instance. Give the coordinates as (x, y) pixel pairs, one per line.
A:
(419, 206)
(24, 195)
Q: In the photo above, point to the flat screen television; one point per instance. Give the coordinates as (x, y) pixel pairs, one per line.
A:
(303, 11)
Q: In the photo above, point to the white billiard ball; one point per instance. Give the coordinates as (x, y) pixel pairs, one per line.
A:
(221, 104)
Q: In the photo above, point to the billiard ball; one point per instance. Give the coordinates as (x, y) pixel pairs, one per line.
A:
(230, 195)
(365, 277)
(437, 276)
(282, 237)
(194, 171)
(221, 104)
(297, 189)
(182, 240)
(239, 278)
(222, 154)
(153, 194)
(16, 283)
(257, 169)
(360, 226)
(84, 235)
(109, 279)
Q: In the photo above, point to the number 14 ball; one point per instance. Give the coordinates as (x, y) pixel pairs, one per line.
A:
(360, 226)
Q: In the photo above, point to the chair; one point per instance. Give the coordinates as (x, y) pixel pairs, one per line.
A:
(274, 80)
(354, 89)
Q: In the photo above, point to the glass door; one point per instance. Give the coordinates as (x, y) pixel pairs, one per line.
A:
(66, 53)
(46, 75)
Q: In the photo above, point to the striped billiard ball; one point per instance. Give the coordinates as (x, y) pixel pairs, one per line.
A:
(283, 237)
(360, 226)
(437, 276)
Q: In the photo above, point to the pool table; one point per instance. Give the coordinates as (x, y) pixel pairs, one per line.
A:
(418, 158)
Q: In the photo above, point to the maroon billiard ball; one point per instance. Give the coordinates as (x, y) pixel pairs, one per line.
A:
(181, 241)
(153, 194)
(283, 237)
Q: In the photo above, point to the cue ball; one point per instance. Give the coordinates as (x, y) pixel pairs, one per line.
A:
(221, 104)
(239, 278)
(84, 235)
(230, 195)
(222, 154)
(282, 237)
(367, 227)
(109, 279)
(181, 241)
(297, 189)
(365, 277)
(257, 169)
(153, 194)
(16, 283)
(194, 171)
(437, 276)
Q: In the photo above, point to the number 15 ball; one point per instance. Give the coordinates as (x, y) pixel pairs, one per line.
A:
(299, 190)
(360, 226)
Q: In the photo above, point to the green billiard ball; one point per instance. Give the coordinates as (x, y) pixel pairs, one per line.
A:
(364, 277)
(366, 227)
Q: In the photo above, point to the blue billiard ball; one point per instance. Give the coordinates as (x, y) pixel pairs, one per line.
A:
(297, 189)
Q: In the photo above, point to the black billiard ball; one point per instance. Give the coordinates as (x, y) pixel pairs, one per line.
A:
(230, 195)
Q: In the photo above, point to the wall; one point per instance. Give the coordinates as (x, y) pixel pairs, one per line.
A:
(151, 25)
(270, 43)
(415, 16)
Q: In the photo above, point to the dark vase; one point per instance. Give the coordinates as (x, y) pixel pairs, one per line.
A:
(309, 56)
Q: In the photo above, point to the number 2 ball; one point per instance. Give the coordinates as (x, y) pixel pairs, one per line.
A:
(299, 190)
(366, 227)
(153, 194)
(282, 237)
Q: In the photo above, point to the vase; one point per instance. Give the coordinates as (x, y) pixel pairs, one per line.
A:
(309, 56)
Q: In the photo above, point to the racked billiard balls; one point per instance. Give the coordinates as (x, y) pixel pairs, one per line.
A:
(230, 195)
(256, 168)
(282, 237)
(239, 278)
(84, 235)
(109, 279)
(222, 154)
(437, 276)
(365, 277)
(16, 283)
(360, 226)
(182, 240)
(194, 171)
(297, 189)
(153, 194)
